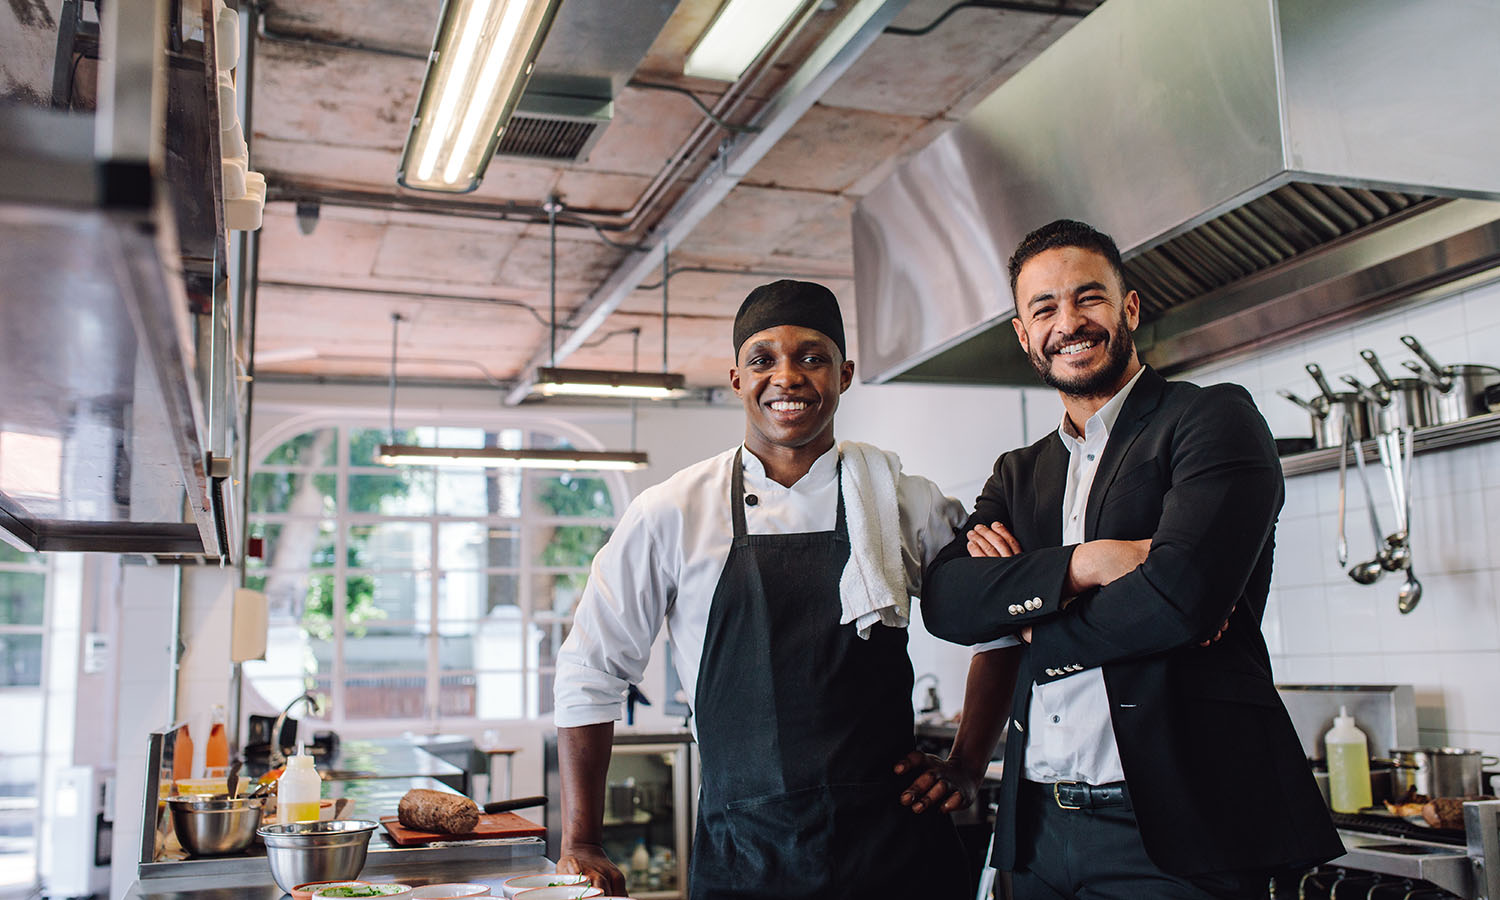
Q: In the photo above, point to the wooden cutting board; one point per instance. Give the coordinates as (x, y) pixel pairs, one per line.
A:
(490, 827)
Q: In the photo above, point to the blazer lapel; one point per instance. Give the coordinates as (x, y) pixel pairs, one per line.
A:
(1134, 415)
(1050, 479)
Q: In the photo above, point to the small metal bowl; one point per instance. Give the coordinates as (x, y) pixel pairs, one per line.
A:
(207, 826)
(301, 852)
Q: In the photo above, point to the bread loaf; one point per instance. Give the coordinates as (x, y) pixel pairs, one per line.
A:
(437, 812)
(1448, 812)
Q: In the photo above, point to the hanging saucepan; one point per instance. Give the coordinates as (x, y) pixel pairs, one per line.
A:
(1330, 409)
(1458, 390)
(1403, 402)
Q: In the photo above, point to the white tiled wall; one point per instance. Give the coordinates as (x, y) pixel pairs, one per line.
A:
(1323, 627)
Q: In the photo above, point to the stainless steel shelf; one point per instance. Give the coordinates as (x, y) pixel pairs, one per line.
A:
(1436, 437)
(101, 440)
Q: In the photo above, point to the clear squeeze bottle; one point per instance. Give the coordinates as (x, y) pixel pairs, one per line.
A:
(298, 790)
(1348, 765)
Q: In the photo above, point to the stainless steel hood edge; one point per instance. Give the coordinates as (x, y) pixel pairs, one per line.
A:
(1217, 143)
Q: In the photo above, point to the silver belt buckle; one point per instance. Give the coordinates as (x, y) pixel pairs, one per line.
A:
(1057, 795)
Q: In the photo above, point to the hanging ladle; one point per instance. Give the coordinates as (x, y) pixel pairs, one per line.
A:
(1368, 572)
(1411, 589)
(1343, 548)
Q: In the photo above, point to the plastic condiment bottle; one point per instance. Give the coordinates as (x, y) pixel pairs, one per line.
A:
(640, 860)
(216, 751)
(1348, 765)
(298, 789)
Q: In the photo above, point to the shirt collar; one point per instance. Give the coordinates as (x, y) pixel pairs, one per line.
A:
(1104, 418)
(824, 469)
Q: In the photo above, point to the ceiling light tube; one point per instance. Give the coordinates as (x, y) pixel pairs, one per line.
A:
(554, 382)
(493, 457)
(738, 34)
(482, 55)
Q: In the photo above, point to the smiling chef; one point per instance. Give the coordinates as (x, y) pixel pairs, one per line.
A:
(783, 569)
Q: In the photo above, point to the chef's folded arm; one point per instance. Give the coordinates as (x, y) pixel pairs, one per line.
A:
(1226, 492)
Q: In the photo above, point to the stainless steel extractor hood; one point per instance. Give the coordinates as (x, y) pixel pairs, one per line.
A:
(1266, 166)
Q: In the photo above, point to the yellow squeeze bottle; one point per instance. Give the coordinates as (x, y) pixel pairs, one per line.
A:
(298, 790)
(1348, 765)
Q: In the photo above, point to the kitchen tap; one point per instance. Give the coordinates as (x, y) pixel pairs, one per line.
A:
(277, 756)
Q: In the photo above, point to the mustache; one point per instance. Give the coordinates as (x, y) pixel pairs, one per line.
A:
(1087, 333)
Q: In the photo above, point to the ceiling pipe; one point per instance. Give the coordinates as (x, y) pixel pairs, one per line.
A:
(826, 64)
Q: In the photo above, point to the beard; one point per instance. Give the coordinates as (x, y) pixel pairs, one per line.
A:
(1119, 350)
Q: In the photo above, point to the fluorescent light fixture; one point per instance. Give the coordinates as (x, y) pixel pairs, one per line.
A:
(737, 35)
(493, 457)
(482, 54)
(554, 382)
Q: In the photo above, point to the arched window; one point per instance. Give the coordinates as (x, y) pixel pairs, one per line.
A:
(415, 593)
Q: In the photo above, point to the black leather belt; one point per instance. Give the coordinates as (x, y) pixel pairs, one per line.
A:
(1077, 795)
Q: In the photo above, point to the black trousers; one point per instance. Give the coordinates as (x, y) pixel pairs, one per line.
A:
(1097, 854)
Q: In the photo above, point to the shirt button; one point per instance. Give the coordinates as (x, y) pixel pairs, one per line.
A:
(751, 499)
(1056, 719)
(1091, 457)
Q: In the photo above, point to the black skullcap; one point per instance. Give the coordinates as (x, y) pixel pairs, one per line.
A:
(788, 302)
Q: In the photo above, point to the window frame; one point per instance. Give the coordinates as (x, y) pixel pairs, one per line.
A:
(528, 567)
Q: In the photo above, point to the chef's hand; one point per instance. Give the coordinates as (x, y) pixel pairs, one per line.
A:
(590, 860)
(941, 784)
(1222, 628)
(992, 540)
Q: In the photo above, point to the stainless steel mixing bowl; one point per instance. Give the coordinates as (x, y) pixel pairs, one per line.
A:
(214, 827)
(301, 852)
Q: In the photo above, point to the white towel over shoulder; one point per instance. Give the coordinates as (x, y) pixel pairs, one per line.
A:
(873, 586)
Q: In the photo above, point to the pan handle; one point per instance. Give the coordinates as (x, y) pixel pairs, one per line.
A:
(1316, 372)
(1374, 362)
(514, 803)
(1366, 393)
(1302, 403)
(1437, 369)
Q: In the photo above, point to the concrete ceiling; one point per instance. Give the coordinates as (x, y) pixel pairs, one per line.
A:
(334, 88)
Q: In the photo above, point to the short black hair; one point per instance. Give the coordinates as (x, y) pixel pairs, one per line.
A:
(1064, 233)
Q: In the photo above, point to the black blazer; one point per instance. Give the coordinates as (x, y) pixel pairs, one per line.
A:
(1216, 773)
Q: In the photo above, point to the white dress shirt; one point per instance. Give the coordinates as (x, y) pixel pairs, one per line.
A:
(664, 559)
(1069, 735)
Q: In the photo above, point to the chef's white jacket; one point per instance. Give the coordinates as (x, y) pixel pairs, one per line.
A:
(663, 562)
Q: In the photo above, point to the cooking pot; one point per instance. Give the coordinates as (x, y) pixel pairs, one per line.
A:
(1396, 403)
(1331, 409)
(1439, 771)
(1457, 391)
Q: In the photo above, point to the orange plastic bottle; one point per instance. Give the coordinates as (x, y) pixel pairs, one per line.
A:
(182, 754)
(216, 752)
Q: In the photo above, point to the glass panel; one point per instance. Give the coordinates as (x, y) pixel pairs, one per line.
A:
(475, 545)
(294, 493)
(372, 600)
(639, 811)
(498, 695)
(19, 777)
(404, 491)
(557, 593)
(391, 647)
(456, 695)
(498, 640)
(568, 546)
(475, 595)
(386, 696)
(390, 545)
(290, 594)
(20, 660)
(479, 492)
(547, 637)
(9, 554)
(364, 442)
(569, 494)
(310, 448)
(23, 597)
(302, 544)
(456, 646)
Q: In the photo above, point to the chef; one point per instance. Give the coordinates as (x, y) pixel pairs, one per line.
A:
(783, 569)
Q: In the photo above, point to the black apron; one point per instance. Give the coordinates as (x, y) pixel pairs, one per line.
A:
(799, 725)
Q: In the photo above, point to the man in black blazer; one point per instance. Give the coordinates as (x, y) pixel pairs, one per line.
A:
(1130, 552)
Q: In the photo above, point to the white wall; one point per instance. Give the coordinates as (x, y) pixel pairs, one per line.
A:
(1322, 627)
